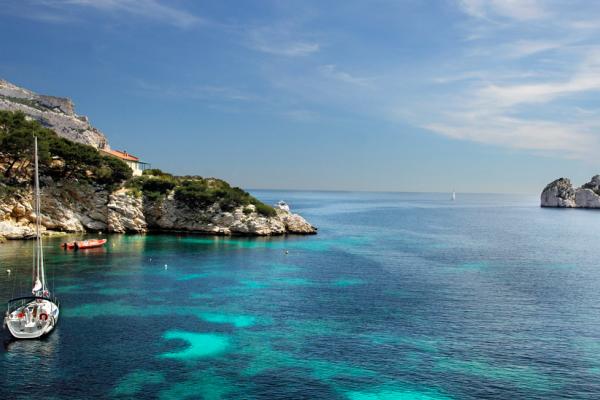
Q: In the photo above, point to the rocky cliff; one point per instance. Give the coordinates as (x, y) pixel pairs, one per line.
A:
(56, 113)
(560, 193)
(82, 208)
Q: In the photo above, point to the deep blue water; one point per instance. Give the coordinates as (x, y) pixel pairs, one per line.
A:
(399, 296)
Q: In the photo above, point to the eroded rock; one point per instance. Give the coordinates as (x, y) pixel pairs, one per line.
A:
(560, 193)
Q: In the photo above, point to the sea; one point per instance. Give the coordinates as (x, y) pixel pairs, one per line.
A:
(399, 296)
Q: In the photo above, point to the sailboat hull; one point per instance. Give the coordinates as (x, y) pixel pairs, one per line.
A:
(32, 320)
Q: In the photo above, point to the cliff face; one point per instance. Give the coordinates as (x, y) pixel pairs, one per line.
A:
(83, 208)
(56, 113)
(560, 193)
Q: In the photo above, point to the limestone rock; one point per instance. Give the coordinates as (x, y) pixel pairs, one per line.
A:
(586, 198)
(125, 213)
(56, 113)
(294, 223)
(559, 193)
(83, 208)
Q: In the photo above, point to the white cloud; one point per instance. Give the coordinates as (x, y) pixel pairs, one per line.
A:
(514, 9)
(523, 83)
(194, 91)
(485, 113)
(569, 140)
(150, 9)
(331, 71)
(292, 49)
(525, 48)
(585, 79)
(281, 41)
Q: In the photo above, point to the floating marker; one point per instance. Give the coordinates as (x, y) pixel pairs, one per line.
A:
(165, 266)
(8, 271)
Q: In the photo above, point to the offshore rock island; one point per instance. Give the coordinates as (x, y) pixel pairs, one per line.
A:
(87, 187)
(561, 193)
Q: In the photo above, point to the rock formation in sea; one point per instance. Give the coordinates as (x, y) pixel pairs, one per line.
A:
(56, 113)
(89, 208)
(560, 193)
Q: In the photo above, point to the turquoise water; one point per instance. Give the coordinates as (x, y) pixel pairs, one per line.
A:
(400, 296)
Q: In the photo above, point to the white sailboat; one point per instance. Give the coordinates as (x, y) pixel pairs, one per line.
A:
(35, 315)
(453, 195)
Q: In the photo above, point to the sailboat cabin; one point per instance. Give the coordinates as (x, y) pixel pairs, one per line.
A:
(132, 161)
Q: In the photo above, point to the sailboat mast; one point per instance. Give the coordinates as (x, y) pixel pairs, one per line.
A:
(39, 255)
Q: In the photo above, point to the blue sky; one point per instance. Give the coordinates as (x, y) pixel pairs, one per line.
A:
(472, 95)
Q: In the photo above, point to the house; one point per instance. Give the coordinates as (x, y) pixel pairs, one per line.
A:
(133, 162)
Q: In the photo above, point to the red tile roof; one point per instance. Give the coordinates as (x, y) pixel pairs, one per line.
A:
(123, 155)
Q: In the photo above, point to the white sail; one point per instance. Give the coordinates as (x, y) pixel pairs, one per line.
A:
(37, 286)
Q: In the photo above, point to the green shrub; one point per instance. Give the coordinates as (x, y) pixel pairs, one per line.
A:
(264, 209)
(156, 172)
(158, 185)
(195, 193)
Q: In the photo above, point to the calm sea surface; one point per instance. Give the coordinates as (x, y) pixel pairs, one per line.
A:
(400, 296)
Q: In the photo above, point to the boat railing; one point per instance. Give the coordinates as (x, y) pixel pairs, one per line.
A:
(18, 302)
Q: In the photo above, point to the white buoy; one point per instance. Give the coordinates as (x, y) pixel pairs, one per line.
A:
(166, 266)
(8, 271)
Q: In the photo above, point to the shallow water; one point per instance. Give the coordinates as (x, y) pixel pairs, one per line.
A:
(400, 296)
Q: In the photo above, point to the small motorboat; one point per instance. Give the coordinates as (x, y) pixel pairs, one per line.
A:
(282, 205)
(83, 244)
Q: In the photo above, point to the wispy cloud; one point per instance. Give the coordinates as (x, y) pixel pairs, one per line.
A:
(65, 10)
(333, 72)
(281, 41)
(194, 91)
(529, 82)
(514, 9)
(301, 115)
(526, 48)
(569, 140)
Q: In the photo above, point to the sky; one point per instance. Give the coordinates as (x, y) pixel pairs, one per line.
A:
(412, 95)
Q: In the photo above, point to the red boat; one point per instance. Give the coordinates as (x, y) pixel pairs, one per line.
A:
(84, 244)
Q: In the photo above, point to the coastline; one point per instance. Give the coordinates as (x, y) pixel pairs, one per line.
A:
(91, 209)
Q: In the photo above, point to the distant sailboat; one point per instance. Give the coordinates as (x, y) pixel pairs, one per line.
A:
(453, 196)
(35, 315)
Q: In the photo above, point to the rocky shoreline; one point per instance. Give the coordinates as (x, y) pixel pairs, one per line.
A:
(75, 208)
(561, 194)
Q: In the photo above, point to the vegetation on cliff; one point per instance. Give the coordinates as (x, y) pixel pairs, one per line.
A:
(59, 158)
(65, 160)
(195, 191)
